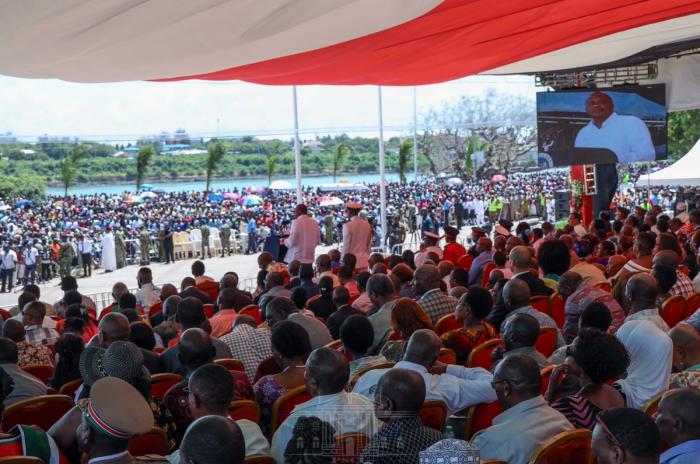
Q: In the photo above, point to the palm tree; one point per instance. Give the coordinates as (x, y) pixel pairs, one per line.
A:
(341, 151)
(271, 166)
(216, 154)
(474, 144)
(404, 155)
(143, 159)
(69, 167)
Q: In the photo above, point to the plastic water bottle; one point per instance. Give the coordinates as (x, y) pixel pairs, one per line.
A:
(448, 433)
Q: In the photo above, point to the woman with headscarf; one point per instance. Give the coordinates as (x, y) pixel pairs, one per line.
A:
(651, 354)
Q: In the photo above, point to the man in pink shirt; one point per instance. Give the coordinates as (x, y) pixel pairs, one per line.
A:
(222, 321)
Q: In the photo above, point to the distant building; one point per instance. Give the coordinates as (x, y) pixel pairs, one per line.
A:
(314, 146)
(7, 137)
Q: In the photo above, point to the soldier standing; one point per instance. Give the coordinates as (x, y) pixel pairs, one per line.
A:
(225, 234)
(120, 250)
(205, 239)
(65, 257)
(145, 241)
(329, 228)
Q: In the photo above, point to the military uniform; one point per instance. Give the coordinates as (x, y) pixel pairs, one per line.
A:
(205, 240)
(120, 250)
(225, 234)
(329, 229)
(145, 241)
(65, 258)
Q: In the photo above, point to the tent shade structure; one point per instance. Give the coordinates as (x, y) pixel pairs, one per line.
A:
(280, 185)
(684, 172)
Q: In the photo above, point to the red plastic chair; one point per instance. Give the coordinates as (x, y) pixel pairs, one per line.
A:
(4, 314)
(244, 409)
(465, 262)
(547, 341)
(154, 442)
(210, 288)
(230, 364)
(569, 446)
(208, 310)
(487, 273)
(348, 447)
(556, 309)
(283, 406)
(672, 310)
(446, 323)
(252, 311)
(42, 411)
(480, 356)
(433, 414)
(540, 303)
(692, 304)
(651, 406)
(155, 309)
(447, 356)
(42, 372)
(480, 417)
(161, 383)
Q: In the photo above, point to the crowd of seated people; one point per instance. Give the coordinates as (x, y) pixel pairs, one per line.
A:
(591, 333)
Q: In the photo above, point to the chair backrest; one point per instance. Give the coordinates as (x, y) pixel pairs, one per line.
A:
(480, 355)
(556, 309)
(692, 303)
(569, 446)
(42, 372)
(311, 300)
(244, 409)
(487, 273)
(335, 344)
(446, 323)
(5, 314)
(348, 447)
(651, 406)
(208, 310)
(540, 303)
(153, 442)
(21, 460)
(672, 310)
(447, 356)
(682, 268)
(69, 388)
(211, 288)
(433, 414)
(230, 364)
(282, 407)
(161, 383)
(547, 341)
(252, 311)
(465, 262)
(480, 417)
(259, 459)
(42, 411)
(155, 309)
(545, 374)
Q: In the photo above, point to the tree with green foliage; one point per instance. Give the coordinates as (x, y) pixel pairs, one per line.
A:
(214, 157)
(22, 186)
(683, 132)
(474, 144)
(69, 167)
(271, 166)
(405, 150)
(143, 159)
(341, 151)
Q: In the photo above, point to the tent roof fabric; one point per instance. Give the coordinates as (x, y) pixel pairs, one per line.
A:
(682, 173)
(282, 42)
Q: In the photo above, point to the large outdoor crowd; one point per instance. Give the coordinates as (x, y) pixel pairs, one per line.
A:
(581, 340)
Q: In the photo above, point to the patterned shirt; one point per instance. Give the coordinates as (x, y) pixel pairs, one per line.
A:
(399, 442)
(38, 335)
(682, 287)
(250, 346)
(689, 378)
(436, 304)
(463, 340)
(584, 295)
(33, 354)
(578, 410)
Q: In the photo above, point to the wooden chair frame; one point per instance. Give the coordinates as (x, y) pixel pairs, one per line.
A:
(36, 401)
(274, 416)
(557, 440)
(246, 404)
(482, 346)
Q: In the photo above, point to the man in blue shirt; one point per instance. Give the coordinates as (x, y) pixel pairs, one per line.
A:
(252, 239)
(678, 420)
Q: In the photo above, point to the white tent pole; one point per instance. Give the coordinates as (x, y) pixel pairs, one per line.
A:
(382, 186)
(297, 148)
(415, 137)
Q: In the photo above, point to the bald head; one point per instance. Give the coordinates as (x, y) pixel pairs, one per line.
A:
(327, 372)
(195, 349)
(166, 291)
(113, 327)
(14, 330)
(341, 296)
(678, 416)
(522, 330)
(118, 290)
(520, 374)
(516, 294)
(483, 244)
(641, 291)
(615, 263)
(686, 345)
(400, 391)
(520, 258)
(427, 277)
(197, 443)
(423, 348)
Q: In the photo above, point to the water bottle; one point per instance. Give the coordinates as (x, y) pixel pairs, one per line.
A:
(448, 433)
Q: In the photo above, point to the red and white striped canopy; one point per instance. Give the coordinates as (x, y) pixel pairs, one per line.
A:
(384, 42)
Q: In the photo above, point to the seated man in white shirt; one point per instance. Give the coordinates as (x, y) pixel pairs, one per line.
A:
(326, 376)
(458, 387)
(527, 420)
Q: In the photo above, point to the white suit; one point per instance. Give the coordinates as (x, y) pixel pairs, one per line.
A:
(109, 255)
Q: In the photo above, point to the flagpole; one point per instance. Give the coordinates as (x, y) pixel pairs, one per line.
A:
(415, 137)
(382, 181)
(297, 148)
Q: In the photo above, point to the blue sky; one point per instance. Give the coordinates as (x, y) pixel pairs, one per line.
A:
(124, 111)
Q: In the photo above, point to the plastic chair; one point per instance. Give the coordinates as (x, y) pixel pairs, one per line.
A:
(446, 323)
(283, 406)
(4, 314)
(311, 300)
(672, 310)
(447, 356)
(334, 345)
(244, 409)
(364, 370)
(480, 417)
(692, 303)
(480, 355)
(210, 288)
(569, 446)
(545, 374)
(348, 447)
(547, 341)
(155, 309)
(259, 459)
(69, 388)
(252, 311)
(556, 309)
(230, 364)
(465, 262)
(42, 411)
(651, 406)
(161, 383)
(153, 442)
(433, 414)
(42, 372)
(540, 303)
(487, 274)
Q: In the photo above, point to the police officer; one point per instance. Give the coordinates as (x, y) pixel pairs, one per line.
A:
(205, 240)
(145, 242)
(65, 257)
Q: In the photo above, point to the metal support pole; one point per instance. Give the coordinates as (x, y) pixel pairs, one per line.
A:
(415, 137)
(382, 181)
(297, 148)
